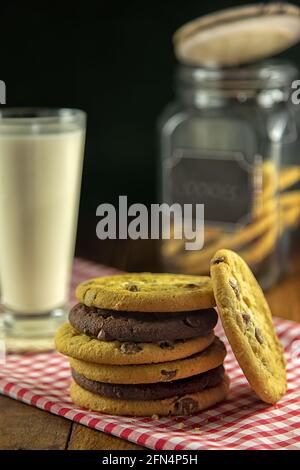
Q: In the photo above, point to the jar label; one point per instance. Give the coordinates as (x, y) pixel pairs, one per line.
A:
(221, 180)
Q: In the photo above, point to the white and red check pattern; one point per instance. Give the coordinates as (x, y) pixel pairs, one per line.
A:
(241, 422)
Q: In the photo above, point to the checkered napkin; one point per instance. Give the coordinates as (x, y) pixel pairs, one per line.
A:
(241, 422)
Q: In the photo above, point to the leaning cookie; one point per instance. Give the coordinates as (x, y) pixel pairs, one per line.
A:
(70, 342)
(177, 405)
(147, 292)
(212, 357)
(248, 325)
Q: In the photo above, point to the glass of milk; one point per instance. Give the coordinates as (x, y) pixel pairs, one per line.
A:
(41, 156)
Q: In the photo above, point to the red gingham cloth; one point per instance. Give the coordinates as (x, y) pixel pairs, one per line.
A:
(241, 422)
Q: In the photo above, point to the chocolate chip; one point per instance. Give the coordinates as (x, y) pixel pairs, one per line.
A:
(190, 321)
(132, 288)
(191, 285)
(168, 374)
(102, 335)
(246, 317)
(264, 362)
(186, 406)
(245, 320)
(166, 345)
(218, 260)
(233, 283)
(259, 335)
(193, 321)
(130, 348)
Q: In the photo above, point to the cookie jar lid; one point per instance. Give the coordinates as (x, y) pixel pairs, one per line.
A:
(238, 35)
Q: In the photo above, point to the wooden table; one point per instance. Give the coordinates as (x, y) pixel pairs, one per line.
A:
(26, 427)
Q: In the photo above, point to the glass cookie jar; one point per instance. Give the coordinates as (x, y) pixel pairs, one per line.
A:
(221, 145)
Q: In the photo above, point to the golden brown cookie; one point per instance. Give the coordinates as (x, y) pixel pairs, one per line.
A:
(184, 405)
(72, 343)
(209, 358)
(147, 292)
(248, 325)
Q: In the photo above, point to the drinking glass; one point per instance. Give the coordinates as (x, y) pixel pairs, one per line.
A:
(41, 157)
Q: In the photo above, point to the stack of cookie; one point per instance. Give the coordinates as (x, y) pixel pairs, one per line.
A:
(143, 345)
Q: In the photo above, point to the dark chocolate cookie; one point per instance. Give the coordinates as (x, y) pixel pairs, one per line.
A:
(108, 325)
(156, 391)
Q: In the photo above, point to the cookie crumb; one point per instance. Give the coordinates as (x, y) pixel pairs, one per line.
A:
(180, 425)
(197, 430)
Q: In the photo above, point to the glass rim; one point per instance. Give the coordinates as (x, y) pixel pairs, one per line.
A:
(28, 116)
(266, 74)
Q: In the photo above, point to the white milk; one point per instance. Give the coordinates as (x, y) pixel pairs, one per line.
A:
(40, 179)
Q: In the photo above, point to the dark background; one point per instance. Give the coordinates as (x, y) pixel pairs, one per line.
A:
(114, 60)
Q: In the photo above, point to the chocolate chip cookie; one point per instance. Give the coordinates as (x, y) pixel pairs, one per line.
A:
(153, 391)
(147, 292)
(210, 358)
(108, 325)
(176, 405)
(247, 321)
(143, 344)
(72, 343)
